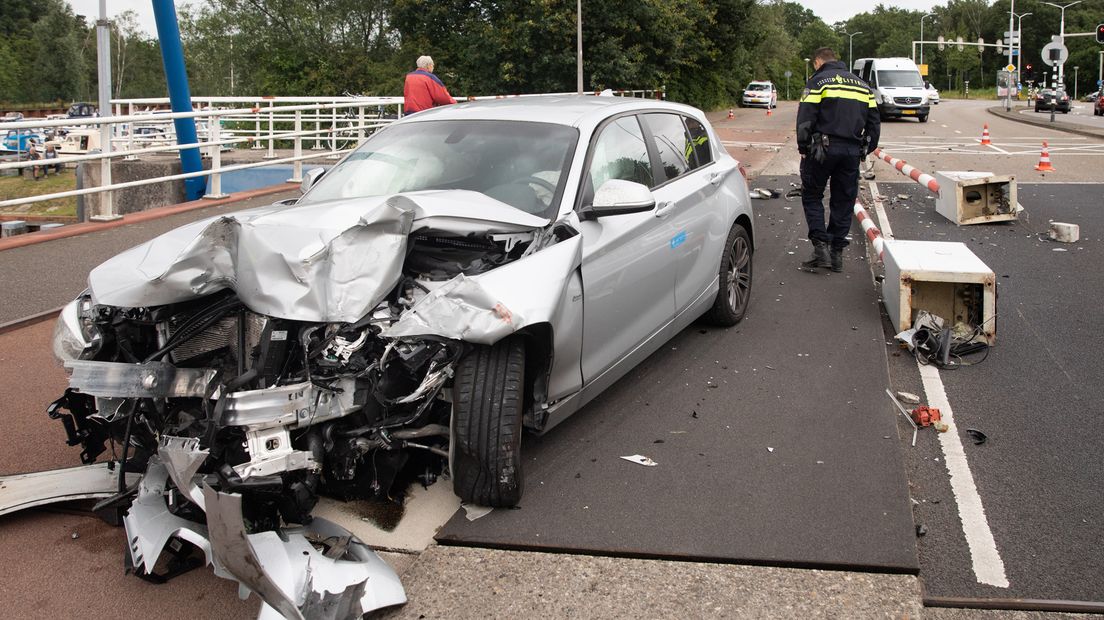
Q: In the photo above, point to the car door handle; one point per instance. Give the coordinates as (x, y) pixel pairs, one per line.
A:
(717, 177)
(663, 209)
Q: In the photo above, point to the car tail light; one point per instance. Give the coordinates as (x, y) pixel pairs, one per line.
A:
(743, 170)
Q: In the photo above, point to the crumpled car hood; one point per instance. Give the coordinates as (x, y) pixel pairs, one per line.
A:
(319, 262)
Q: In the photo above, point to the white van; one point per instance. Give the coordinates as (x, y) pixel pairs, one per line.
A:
(898, 86)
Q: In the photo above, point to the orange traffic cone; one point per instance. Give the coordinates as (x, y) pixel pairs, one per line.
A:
(769, 113)
(731, 114)
(1044, 160)
(985, 135)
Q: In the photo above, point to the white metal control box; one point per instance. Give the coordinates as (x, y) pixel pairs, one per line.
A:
(977, 197)
(944, 278)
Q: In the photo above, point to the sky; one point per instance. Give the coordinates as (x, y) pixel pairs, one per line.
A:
(830, 11)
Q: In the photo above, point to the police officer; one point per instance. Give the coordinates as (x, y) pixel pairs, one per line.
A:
(837, 125)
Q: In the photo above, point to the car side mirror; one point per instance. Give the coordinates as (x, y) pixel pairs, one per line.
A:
(618, 197)
(310, 178)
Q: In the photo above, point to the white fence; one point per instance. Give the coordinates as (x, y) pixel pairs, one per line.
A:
(325, 127)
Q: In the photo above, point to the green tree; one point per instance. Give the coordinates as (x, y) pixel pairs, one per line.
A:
(57, 38)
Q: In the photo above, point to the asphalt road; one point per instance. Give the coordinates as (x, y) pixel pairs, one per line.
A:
(1038, 475)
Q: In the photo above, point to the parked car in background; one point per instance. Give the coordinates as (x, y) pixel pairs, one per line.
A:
(466, 273)
(1048, 97)
(1091, 97)
(11, 117)
(761, 93)
(933, 93)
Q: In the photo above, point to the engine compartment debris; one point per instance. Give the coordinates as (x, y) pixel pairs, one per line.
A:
(238, 373)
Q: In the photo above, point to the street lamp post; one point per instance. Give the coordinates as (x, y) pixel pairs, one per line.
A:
(1075, 82)
(1019, 45)
(850, 48)
(579, 45)
(806, 69)
(1062, 32)
(922, 35)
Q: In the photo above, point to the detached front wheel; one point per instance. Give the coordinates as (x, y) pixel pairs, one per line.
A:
(734, 292)
(487, 411)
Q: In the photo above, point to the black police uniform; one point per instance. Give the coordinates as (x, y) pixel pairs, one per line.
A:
(839, 114)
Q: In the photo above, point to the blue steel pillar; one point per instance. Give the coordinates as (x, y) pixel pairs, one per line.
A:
(172, 57)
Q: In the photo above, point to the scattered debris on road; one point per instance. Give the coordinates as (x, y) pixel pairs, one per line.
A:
(474, 511)
(640, 460)
(978, 436)
(908, 397)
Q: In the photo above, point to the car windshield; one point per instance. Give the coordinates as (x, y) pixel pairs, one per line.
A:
(758, 87)
(900, 78)
(522, 164)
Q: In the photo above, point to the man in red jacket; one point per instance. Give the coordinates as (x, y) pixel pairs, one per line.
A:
(423, 90)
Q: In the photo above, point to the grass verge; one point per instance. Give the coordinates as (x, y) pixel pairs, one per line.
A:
(24, 186)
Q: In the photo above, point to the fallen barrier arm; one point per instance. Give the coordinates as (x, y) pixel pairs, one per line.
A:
(904, 168)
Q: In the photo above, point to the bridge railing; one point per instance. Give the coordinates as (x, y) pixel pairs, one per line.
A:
(324, 127)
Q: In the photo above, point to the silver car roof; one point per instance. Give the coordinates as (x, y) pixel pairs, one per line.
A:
(571, 110)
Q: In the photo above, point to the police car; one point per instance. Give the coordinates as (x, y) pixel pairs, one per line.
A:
(760, 94)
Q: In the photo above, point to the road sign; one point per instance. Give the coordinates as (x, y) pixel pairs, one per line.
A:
(1055, 53)
(1010, 68)
(787, 74)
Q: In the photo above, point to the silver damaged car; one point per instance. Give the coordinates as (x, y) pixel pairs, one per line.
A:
(465, 274)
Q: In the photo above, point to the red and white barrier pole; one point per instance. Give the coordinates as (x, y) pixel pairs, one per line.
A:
(870, 229)
(922, 178)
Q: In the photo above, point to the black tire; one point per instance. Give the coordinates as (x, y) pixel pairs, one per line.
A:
(487, 411)
(734, 293)
(923, 118)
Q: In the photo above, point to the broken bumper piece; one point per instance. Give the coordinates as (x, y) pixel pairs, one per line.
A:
(317, 571)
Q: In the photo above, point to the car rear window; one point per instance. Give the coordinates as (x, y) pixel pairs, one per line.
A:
(699, 141)
(672, 143)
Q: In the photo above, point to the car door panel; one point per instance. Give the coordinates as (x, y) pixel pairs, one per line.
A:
(627, 266)
(697, 211)
(628, 274)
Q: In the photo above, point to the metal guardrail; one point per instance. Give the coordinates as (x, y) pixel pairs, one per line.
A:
(329, 127)
(350, 120)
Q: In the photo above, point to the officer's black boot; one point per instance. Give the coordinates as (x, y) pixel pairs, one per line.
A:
(820, 256)
(837, 260)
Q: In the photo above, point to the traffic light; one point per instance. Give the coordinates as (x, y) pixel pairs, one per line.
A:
(1100, 33)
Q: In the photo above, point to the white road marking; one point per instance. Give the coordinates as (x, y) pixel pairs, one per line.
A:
(1030, 147)
(957, 131)
(987, 563)
(879, 209)
(943, 126)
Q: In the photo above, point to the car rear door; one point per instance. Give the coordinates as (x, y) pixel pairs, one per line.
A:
(627, 265)
(690, 198)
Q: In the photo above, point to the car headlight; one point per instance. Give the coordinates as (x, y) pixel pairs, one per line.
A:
(75, 335)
